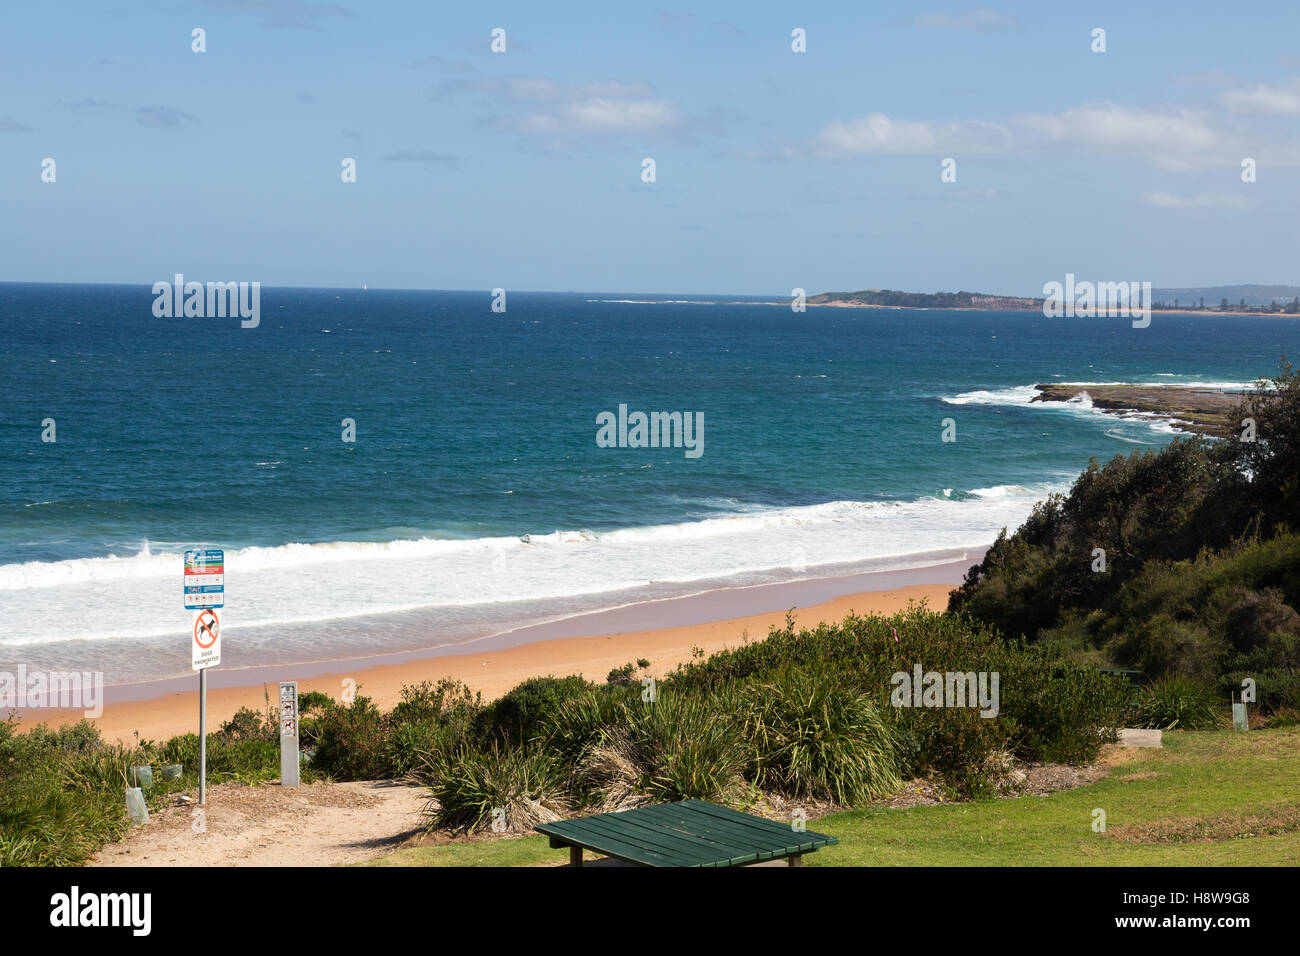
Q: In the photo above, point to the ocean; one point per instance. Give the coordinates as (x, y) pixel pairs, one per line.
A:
(475, 497)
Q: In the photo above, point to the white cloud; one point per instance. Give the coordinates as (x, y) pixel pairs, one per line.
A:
(1262, 98)
(1172, 138)
(600, 115)
(555, 108)
(878, 133)
(1110, 125)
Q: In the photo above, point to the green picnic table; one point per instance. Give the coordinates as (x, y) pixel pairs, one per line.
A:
(686, 833)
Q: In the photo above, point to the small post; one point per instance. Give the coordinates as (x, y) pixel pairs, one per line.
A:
(575, 856)
(203, 737)
(290, 758)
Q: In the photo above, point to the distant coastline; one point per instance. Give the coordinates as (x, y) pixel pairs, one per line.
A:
(943, 301)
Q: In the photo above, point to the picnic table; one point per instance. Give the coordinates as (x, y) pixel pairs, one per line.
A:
(685, 833)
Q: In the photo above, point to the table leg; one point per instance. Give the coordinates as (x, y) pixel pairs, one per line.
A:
(575, 856)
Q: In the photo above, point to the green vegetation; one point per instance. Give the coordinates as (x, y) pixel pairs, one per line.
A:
(813, 741)
(62, 792)
(1176, 703)
(522, 713)
(802, 715)
(1208, 798)
(1201, 574)
(356, 741)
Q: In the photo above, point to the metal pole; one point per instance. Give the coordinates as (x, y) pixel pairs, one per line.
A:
(203, 737)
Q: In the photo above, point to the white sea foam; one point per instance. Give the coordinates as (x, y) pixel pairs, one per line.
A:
(97, 602)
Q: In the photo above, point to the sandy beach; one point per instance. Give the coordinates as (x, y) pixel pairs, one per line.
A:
(490, 669)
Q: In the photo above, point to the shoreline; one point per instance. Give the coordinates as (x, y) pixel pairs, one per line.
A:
(664, 632)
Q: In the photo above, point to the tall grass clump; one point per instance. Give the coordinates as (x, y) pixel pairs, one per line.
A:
(1177, 703)
(810, 736)
(677, 747)
(469, 786)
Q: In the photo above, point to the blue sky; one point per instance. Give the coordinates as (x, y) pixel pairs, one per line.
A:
(775, 169)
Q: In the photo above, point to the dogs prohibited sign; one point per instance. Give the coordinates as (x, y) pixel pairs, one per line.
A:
(205, 649)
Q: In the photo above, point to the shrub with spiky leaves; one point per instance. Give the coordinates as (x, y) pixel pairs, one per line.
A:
(469, 786)
(812, 736)
(677, 747)
(1177, 703)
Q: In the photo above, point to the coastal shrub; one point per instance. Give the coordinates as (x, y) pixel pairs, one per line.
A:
(1049, 709)
(525, 711)
(352, 741)
(429, 718)
(245, 760)
(677, 747)
(964, 749)
(810, 736)
(248, 724)
(61, 792)
(1272, 463)
(1201, 566)
(577, 722)
(62, 789)
(627, 673)
(1283, 717)
(1275, 689)
(405, 745)
(523, 785)
(1063, 713)
(357, 741)
(310, 707)
(313, 702)
(1178, 703)
(43, 821)
(448, 702)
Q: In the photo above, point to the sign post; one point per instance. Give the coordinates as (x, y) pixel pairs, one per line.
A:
(289, 758)
(205, 595)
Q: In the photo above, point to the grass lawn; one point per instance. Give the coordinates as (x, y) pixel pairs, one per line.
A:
(1206, 798)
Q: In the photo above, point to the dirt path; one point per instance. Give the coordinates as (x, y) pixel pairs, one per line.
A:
(317, 825)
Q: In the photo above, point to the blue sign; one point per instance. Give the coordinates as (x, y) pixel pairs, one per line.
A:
(205, 578)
